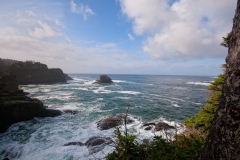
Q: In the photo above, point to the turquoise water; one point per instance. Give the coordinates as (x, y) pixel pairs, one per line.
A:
(151, 99)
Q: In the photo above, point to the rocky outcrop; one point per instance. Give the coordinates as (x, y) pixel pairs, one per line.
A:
(163, 126)
(39, 76)
(94, 144)
(158, 126)
(104, 79)
(67, 77)
(15, 106)
(223, 140)
(30, 72)
(112, 121)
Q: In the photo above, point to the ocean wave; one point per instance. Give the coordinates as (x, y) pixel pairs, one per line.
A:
(102, 90)
(129, 92)
(119, 81)
(199, 83)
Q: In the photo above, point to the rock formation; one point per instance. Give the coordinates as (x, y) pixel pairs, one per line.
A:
(104, 79)
(94, 144)
(67, 78)
(112, 121)
(158, 127)
(223, 140)
(163, 126)
(30, 72)
(15, 106)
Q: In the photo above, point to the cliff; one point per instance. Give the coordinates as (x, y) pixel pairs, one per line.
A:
(30, 72)
(15, 106)
(39, 76)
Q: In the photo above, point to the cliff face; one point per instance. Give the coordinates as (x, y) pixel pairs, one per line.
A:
(223, 140)
(30, 72)
(15, 106)
(39, 76)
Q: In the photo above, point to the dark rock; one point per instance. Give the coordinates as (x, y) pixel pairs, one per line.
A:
(51, 113)
(67, 77)
(74, 143)
(16, 107)
(71, 111)
(112, 121)
(148, 128)
(104, 79)
(8, 81)
(94, 144)
(163, 126)
(148, 124)
(94, 141)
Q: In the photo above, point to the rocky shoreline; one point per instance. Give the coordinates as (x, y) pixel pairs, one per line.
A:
(15, 106)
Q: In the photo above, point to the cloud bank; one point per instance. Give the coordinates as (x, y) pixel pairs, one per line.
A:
(184, 29)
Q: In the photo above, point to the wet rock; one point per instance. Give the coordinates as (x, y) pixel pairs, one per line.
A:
(148, 124)
(15, 106)
(51, 113)
(74, 143)
(163, 126)
(94, 144)
(148, 128)
(71, 111)
(104, 79)
(112, 121)
(67, 77)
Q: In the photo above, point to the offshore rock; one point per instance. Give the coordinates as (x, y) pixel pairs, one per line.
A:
(112, 121)
(163, 126)
(15, 106)
(104, 79)
(94, 144)
(67, 77)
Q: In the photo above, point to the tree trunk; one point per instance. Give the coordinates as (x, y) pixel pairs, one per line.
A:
(223, 141)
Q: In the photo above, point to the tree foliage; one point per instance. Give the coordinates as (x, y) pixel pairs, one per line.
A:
(226, 40)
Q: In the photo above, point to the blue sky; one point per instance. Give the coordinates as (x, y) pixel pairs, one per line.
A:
(163, 37)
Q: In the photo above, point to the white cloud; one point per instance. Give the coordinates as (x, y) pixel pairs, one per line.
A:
(130, 37)
(85, 11)
(184, 30)
(30, 13)
(43, 31)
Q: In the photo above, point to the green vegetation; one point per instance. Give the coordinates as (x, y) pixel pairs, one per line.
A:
(182, 148)
(226, 40)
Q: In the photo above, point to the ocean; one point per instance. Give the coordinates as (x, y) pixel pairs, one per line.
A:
(170, 99)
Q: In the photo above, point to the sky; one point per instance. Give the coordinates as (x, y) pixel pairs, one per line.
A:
(156, 37)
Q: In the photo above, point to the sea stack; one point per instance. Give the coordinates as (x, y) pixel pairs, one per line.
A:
(104, 79)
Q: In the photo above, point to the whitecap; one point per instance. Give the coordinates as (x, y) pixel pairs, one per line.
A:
(119, 81)
(129, 92)
(199, 83)
(102, 90)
